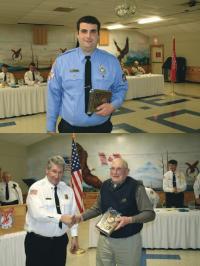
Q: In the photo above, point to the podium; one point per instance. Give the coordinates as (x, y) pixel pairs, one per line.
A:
(15, 215)
(12, 239)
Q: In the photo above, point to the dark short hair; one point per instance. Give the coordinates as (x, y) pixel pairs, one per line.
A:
(89, 20)
(172, 162)
(4, 65)
(32, 64)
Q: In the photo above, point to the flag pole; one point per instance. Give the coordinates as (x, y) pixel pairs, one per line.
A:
(79, 250)
(172, 93)
(173, 70)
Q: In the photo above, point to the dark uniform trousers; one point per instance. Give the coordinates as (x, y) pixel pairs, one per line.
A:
(174, 200)
(45, 251)
(10, 203)
(65, 127)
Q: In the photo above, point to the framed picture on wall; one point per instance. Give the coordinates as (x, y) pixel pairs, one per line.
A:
(157, 53)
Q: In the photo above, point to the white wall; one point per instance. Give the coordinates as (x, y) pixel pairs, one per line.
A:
(137, 149)
(187, 45)
(137, 41)
(13, 158)
(20, 36)
(187, 38)
(144, 153)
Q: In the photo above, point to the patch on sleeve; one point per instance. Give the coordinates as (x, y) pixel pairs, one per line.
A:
(51, 73)
(124, 77)
(33, 192)
(66, 196)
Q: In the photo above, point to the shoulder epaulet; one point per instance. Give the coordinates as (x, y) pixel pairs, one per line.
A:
(62, 183)
(68, 52)
(106, 53)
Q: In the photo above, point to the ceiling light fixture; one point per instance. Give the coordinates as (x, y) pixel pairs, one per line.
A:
(115, 27)
(149, 20)
(126, 9)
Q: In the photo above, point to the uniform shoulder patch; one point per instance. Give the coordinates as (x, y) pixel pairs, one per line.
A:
(51, 73)
(33, 192)
(124, 77)
(68, 52)
(66, 196)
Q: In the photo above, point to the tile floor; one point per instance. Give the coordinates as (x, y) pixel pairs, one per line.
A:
(167, 113)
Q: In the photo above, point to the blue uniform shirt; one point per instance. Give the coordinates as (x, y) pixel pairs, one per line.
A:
(66, 92)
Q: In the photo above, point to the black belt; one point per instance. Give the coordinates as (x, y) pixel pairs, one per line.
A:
(65, 127)
(10, 203)
(44, 237)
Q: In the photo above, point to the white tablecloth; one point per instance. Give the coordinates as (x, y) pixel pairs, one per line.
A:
(144, 85)
(12, 249)
(170, 229)
(23, 100)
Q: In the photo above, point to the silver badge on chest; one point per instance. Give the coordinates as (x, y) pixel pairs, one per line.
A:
(102, 70)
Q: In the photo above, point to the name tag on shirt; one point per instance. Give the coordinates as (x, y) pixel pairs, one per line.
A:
(74, 70)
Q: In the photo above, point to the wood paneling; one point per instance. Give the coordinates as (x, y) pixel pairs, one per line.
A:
(90, 198)
(104, 37)
(40, 35)
(193, 74)
(188, 196)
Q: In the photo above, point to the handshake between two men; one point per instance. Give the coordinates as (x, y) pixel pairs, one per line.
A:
(70, 220)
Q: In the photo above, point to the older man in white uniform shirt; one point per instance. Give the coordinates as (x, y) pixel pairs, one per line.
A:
(174, 185)
(10, 192)
(32, 76)
(51, 206)
(5, 76)
(196, 188)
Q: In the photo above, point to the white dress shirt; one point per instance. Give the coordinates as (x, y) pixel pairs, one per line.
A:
(168, 181)
(153, 196)
(10, 79)
(196, 187)
(42, 217)
(15, 192)
(28, 77)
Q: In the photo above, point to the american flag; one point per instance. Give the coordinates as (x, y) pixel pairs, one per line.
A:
(77, 177)
(173, 65)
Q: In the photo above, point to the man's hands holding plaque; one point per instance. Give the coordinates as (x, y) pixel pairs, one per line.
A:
(105, 109)
(123, 221)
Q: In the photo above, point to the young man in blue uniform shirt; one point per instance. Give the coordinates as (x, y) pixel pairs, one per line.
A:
(66, 85)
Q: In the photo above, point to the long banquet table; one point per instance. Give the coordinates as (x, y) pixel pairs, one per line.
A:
(144, 85)
(12, 249)
(23, 100)
(170, 229)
